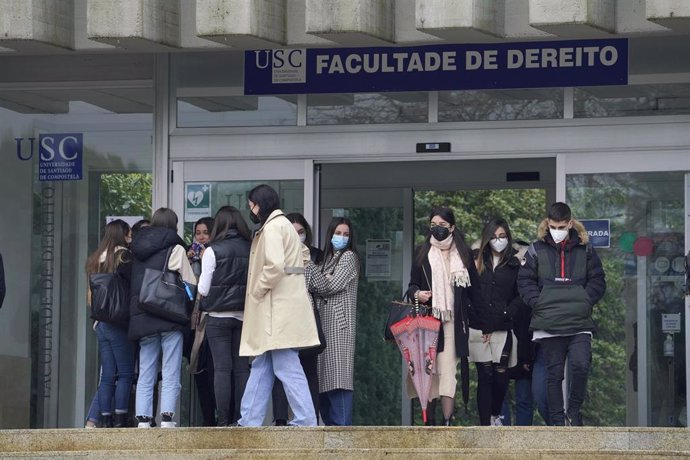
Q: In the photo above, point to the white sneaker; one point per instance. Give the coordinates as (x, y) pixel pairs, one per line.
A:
(144, 425)
(168, 424)
(496, 420)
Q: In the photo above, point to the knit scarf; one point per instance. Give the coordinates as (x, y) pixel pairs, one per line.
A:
(447, 272)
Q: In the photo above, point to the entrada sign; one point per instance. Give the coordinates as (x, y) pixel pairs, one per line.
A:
(437, 67)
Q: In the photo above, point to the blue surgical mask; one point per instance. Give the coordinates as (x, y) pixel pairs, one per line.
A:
(339, 242)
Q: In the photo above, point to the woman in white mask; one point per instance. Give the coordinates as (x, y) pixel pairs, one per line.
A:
(333, 284)
(493, 345)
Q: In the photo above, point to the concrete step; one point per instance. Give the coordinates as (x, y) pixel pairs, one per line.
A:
(349, 443)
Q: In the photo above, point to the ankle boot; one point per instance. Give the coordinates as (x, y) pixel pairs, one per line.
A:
(121, 420)
(106, 421)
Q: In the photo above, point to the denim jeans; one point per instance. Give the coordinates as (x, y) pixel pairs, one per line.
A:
(524, 404)
(539, 392)
(116, 353)
(577, 349)
(94, 414)
(283, 364)
(231, 371)
(150, 349)
(311, 372)
(336, 407)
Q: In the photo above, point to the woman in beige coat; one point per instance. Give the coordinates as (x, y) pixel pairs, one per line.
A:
(278, 317)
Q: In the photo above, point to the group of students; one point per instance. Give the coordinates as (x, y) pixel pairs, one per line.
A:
(279, 316)
(514, 310)
(268, 297)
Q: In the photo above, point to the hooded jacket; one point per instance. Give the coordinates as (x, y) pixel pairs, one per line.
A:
(149, 247)
(561, 282)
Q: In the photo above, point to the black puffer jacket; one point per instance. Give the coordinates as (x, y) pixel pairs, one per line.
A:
(229, 280)
(149, 247)
(502, 303)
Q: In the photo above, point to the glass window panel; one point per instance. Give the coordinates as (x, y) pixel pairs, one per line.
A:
(632, 100)
(65, 224)
(367, 108)
(495, 105)
(645, 209)
(237, 111)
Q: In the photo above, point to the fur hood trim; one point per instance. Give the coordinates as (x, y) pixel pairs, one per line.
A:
(577, 226)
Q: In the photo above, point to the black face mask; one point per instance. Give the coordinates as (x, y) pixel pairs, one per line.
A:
(254, 218)
(440, 233)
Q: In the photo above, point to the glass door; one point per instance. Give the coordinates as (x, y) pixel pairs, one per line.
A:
(638, 374)
(200, 188)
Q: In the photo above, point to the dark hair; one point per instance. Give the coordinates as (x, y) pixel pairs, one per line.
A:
(485, 247)
(559, 212)
(351, 242)
(458, 238)
(139, 225)
(207, 221)
(267, 199)
(297, 218)
(113, 236)
(227, 218)
(164, 217)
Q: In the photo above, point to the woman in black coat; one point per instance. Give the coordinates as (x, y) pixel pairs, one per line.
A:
(493, 346)
(444, 276)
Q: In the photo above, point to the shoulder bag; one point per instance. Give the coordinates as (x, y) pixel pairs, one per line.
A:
(109, 298)
(164, 295)
(399, 309)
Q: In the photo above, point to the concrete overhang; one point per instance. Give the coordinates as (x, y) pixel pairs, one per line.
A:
(37, 26)
(352, 22)
(136, 25)
(672, 14)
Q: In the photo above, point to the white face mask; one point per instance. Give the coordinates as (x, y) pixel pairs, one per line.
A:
(302, 237)
(558, 235)
(499, 244)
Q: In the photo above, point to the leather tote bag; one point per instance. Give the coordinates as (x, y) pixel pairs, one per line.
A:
(163, 294)
(109, 298)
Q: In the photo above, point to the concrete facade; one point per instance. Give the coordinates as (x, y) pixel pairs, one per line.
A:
(28, 26)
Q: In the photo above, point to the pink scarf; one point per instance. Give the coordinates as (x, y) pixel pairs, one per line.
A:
(447, 271)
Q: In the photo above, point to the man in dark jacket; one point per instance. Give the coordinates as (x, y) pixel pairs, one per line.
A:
(561, 279)
(2, 281)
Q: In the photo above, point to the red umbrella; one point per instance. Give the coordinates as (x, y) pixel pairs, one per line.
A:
(417, 337)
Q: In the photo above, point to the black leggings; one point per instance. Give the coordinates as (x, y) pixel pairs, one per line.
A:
(492, 384)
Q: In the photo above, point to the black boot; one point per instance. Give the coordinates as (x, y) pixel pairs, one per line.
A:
(121, 420)
(106, 421)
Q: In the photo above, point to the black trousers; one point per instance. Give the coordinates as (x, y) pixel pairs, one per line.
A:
(578, 350)
(231, 371)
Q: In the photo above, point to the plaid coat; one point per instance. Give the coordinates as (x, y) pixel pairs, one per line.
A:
(336, 299)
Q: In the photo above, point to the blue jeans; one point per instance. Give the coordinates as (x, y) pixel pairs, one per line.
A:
(539, 384)
(336, 407)
(577, 349)
(116, 353)
(524, 404)
(285, 365)
(94, 411)
(150, 349)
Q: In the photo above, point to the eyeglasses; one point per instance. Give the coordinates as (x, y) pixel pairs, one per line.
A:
(442, 224)
(496, 237)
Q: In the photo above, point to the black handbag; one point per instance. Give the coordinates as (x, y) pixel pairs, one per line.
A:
(109, 298)
(318, 349)
(164, 295)
(400, 310)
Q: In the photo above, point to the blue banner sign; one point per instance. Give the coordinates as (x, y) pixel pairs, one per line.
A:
(599, 231)
(437, 67)
(60, 156)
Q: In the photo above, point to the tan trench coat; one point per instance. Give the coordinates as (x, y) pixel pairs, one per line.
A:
(277, 310)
